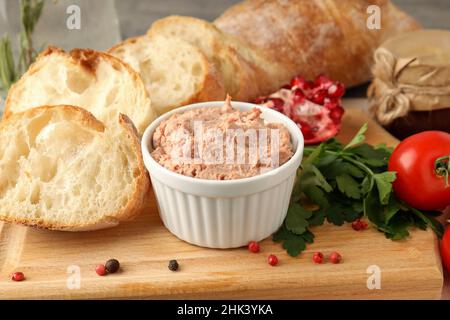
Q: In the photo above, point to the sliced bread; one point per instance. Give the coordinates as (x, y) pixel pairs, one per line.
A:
(245, 71)
(61, 170)
(95, 81)
(174, 72)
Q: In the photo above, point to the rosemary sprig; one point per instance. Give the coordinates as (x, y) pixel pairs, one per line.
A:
(30, 12)
(7, 69)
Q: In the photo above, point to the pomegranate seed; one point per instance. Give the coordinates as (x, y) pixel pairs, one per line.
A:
(298, 92)
(336, 114)
(17, 276)
(309, 85)
(322, 82)
(306, 130)
(319, 96)
(253, 246)
(359, 225)
(299, 96)
(300, 82)
(318, 257)
(261, 100)
(273, 260)
(335, 258)
(101, 270)
(330, 105)
(287, 86)
(276, 103)
(336, 90)
(312, 132)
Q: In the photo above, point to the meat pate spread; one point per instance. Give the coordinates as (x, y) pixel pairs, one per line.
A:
(220, 143)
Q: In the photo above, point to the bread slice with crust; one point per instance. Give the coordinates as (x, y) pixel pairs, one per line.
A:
(174, 72)
(61, 169)
(95, 81)
(246, 73)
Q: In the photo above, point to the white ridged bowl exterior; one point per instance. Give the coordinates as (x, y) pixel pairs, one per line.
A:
(224, 214)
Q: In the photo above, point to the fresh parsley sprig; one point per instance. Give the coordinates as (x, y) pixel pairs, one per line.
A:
(342, 183)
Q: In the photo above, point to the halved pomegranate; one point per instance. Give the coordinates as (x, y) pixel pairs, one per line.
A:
(316, 106)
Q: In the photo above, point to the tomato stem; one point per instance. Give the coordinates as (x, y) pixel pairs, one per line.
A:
(442, 168)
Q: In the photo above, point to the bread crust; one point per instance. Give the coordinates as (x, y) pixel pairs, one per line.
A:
(221, 56)
(80, 114)
(137, 200)
(211, 89)
(252, 74)
(314, 37)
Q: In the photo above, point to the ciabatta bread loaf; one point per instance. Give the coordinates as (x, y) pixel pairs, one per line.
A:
(95, 81)
(245, 71)
(174, 72)
(316, 37)
(61, 170)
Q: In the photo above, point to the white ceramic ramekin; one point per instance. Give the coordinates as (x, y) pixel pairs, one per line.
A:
(224, 214)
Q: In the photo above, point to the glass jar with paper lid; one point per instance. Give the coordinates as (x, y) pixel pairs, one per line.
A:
(410, 92)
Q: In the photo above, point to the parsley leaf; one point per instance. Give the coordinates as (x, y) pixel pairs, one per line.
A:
(311, 176)
(296, 219)
(391, 210)
(308, 236)
(366, 185)
(318, 218)
(374, 211)
(340, 184)
(435, 225)
(384, 184)
(317, 196)
(335, 215)
(348, 186)
(367, 152)
(353, 170)
(294, 245)
(398, 227)
(359, 138)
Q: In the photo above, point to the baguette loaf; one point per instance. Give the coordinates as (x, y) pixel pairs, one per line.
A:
(245, 71)
(174, 72)
(61, 170)
(314, 37)
(96, 81)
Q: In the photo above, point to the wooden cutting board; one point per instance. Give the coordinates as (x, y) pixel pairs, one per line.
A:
(410, 269)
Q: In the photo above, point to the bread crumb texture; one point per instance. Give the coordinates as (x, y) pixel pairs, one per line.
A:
(61, 169)
(96, 81)
(175, 73)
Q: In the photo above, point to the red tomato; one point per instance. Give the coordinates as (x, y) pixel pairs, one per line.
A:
(445, 249)
(414, 161)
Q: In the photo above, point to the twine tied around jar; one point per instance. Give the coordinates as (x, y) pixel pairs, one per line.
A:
(389, 99)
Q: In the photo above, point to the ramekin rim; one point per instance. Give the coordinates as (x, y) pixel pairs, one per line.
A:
(206, 182)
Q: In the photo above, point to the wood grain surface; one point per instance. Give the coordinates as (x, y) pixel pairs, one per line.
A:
(410, 269)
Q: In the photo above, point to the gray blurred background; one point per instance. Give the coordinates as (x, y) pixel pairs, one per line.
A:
(105, 22)
(135, 16)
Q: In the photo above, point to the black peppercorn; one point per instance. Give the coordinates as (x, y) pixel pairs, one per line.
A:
(112, 266)
(173, 265)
